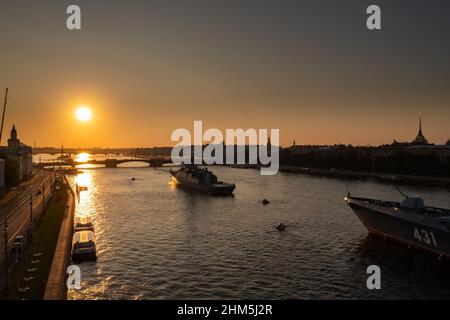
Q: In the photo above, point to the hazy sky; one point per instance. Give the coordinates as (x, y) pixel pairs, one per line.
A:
(309, 68)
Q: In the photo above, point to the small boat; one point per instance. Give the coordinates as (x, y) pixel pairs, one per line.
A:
(82, 223)
(265, 201)
(83, 246)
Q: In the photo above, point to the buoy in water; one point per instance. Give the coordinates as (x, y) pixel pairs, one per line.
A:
(265, 201)
(281, 227)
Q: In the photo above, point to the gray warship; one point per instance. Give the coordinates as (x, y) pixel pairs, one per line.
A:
(201, 179)
(409, 222)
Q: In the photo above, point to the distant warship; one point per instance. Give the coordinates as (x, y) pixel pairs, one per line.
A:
(201, 179)
(409, 222)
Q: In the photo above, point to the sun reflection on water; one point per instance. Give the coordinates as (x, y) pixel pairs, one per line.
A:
(173, 185)
(82, 157)
(84, 179)
(85, 187)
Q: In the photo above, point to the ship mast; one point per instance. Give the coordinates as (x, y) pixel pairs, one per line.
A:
(4, 110)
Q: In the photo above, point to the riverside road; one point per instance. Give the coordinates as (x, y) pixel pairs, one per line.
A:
(21, 209)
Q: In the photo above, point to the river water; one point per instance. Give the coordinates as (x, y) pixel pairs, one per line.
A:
(156, 241)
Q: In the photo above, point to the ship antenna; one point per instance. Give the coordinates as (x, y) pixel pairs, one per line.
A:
(4, 110)
(400, 191)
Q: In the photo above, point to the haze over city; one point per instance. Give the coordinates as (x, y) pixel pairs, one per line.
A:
(145, 68)
(232, 158)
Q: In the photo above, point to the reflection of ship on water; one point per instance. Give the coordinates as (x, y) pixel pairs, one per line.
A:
(409, 222)
(201, 179)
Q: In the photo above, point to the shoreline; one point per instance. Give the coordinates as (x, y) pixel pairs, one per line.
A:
(56, 288)
(384, 177)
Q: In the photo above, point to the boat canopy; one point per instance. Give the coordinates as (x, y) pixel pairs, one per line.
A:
(82, 220)
(83, 236)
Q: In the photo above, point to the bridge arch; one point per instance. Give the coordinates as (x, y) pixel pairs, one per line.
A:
(133, 164)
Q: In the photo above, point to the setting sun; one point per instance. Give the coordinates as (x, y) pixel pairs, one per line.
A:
(83, 114)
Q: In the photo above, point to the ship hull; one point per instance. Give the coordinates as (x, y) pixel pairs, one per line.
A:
(410, 233)
(217, 190)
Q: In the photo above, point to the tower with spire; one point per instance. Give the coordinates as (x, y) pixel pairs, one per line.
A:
(13, 142)
(17, 158)
(420, 138)
(269, 147)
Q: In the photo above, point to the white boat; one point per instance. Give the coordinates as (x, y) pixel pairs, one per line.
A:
(83, 246)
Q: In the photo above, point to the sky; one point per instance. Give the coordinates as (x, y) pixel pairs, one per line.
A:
(145, 68)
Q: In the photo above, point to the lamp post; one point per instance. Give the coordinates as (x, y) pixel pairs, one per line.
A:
(5, 235)
(31, 214)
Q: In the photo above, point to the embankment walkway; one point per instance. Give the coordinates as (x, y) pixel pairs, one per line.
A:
(56, 288)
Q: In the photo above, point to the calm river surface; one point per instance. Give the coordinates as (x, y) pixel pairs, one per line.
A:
(157, 241)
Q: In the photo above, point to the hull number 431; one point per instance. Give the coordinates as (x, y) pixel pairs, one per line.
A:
(425, 236)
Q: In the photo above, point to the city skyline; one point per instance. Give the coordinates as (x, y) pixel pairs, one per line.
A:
(228, 157)
(419, 139)
(149, 68)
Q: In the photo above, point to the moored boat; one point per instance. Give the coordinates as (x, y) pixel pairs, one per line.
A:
(83, 222)
(409, 222)
(83, 246)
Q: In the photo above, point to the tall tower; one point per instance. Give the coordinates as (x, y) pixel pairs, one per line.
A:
(13, 142)
(13, 133)
(420, 139)
(420, 123)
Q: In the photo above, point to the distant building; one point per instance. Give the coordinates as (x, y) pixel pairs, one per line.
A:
(304, 149)
(420, 139)
(419, 146)
(18, 161)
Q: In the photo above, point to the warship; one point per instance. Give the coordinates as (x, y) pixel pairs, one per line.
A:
(409, 222)
(201, 179)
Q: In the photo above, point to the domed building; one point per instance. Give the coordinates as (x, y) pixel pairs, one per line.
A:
(420, 138)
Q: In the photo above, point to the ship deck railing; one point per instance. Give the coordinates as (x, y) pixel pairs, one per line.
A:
(427, 211)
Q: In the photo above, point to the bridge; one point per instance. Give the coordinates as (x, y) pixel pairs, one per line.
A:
(150, 152)
(108, 163)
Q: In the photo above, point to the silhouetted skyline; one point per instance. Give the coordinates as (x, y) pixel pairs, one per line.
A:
(309, 68)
